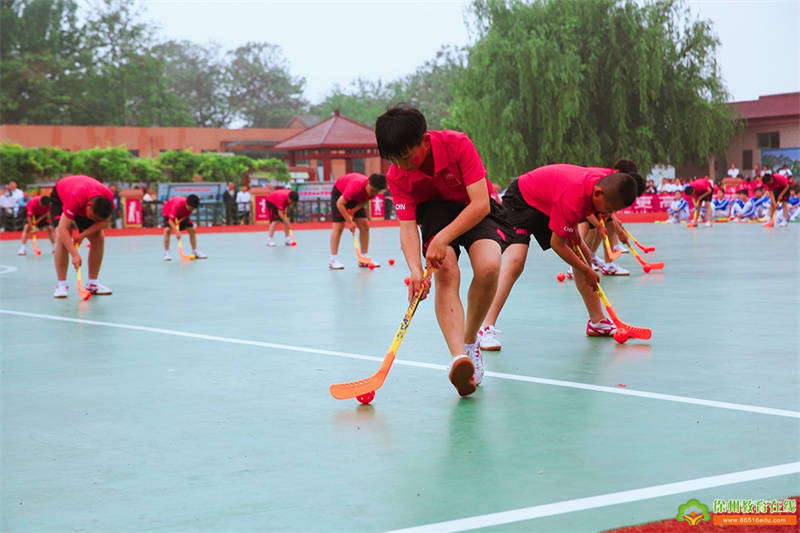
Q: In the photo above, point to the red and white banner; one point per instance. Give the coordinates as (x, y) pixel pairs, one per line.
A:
(376, 207)
(132, 212)
(260, 211)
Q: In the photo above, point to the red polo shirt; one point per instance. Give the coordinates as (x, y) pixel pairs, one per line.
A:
(779, 182)
(34, 207)
(353, 187)
(176, 208)
(456, 164)
(279, 199)
(701, 186)
(74, 192)
(563, 193)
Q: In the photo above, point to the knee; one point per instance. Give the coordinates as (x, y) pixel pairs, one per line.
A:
(486, 272)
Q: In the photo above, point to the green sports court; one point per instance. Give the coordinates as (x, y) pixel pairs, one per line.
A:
(195, 398)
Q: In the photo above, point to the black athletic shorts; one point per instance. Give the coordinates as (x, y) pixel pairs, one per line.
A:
(185, 224)
(56, 209)
(337, 216)
(434, 215)
(525, 219)
(43, 221)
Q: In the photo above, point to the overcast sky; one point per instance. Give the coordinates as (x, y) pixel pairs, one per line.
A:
(333, 42)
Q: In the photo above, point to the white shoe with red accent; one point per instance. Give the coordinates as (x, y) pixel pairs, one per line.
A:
(620, 248)
(334, 264)
(98, 289)
(604, 328)
(613, 269)
(461, 374)
(62, 291)
(570, 274)
(487, 339)
(474, 353)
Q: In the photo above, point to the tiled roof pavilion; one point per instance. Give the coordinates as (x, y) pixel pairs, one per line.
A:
(336, 137)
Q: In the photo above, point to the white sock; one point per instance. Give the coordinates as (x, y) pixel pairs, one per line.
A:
(91, 282)
(334, 257)
(61, 283)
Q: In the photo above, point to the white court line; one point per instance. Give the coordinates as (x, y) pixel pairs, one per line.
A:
(604, 500)
(500, 375)
(4, 269)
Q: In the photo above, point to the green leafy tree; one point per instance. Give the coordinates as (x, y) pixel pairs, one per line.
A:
(199, 78)
(144, 170)
(587, 81)
(41, 50)
(178, 165)
(275, 167)
(363, 100)
(430, 88)
(104, 164)
(29, 165)
(216, 167)
(263, 92)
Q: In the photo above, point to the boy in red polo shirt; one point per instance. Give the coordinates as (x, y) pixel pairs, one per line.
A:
(176, 211)
(549, 203)
(701, 190)
(37, 217)
(777, 187)
(438, 182)
(86, 203)
(349, 194)
(278, 203)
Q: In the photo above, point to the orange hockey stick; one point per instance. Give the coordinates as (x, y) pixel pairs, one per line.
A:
(612, 255)
(180, 245)
(645, 249)
(647, 267)
(36, 250)
(343, 391)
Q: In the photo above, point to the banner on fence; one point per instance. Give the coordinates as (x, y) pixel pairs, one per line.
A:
(376, 207)
(132, 212)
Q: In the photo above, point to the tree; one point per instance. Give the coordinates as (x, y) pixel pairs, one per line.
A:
(263, 92)
(430, 87)
(198, 77)
(178, 165)
(40, 48)
(363, 101)
(588, 81)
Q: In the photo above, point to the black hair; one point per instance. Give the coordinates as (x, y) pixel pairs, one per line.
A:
(742, 191)
(759, 188)
(625, 165)
(378, 181)
(399, 129)
(689, 189)
(640, 185)
(619, 185)
(102, 206)
(193, 201)
(767, 178)
(44, 201)
(293, 196)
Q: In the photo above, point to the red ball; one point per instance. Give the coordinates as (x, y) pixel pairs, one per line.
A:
(647, 268)
(391, 262)
(372, 266)
(294, 243)
(407, 280)
(365, 399)
(621, 336)
(561, 276)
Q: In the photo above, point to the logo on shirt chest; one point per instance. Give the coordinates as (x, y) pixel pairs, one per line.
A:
(452, 180)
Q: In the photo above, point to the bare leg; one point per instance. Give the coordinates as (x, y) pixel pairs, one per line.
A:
(449, 311)
(272, 226)
(51, 234)
(512, 266)
(590, 298)
(96, 253)
(61, 259)
(25, 232)
(192, 238)
(336, 237)
(485, 258)
(363, 234)
(167, 234)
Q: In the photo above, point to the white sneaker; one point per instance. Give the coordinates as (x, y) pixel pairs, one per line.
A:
(334, 264)
(474, 353)
(98, 289)
(487, 339)
(287, 241)
(62, 291)
(375, 264)
(461, 373)
(570, 274)
(613, 269)
(707, 224)
(620, 248)
(783, 223)
(597, 263)
(604, 328)
(271, 243)
(167, 257)
(671, 220)
(22, 251)
(199, 255)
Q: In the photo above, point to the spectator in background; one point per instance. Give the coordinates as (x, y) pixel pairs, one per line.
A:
(650, 188)
(115, 213)
(742, 208)
(243, 203)
(679, 208)
(148, 207)
(785, 171)
(757, 171)
(229, 203)
(7, 205)
(733, 172)
(722, 206)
